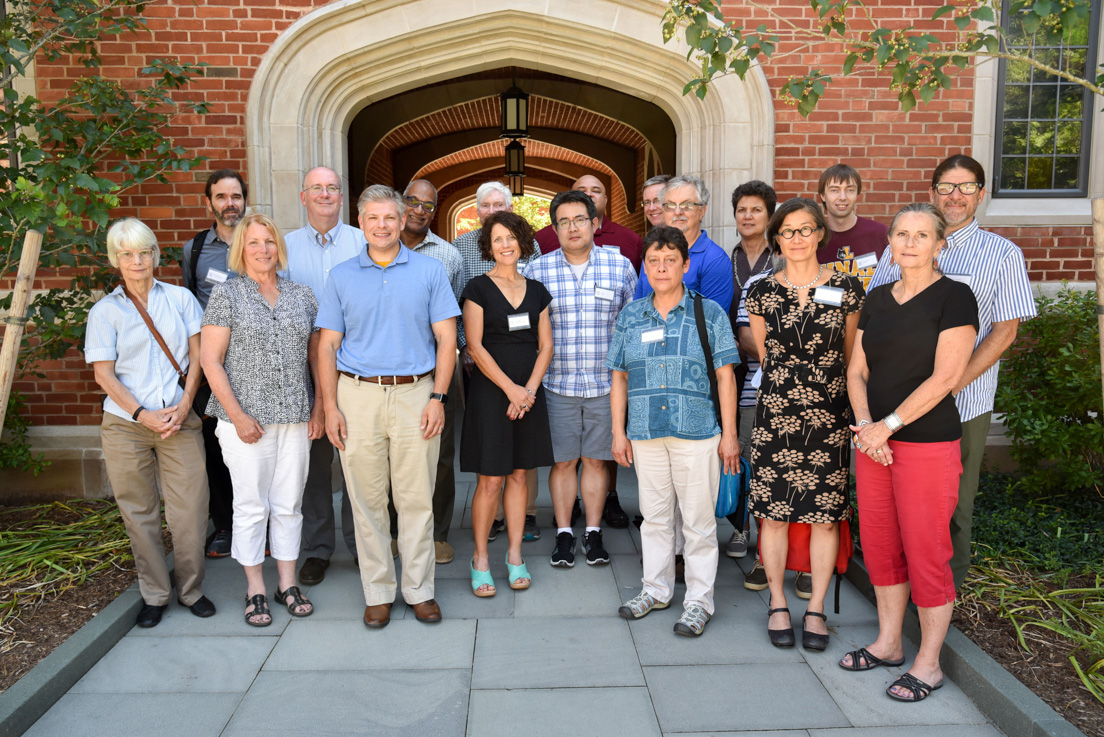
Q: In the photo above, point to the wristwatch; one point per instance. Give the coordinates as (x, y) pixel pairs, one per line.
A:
(442, 398)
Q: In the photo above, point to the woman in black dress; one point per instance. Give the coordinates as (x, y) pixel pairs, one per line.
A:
(505, 433)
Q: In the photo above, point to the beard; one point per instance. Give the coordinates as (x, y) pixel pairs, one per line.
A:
(228, 217)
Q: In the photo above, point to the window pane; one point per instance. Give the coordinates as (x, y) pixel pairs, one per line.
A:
(1018, 71)
(1044, 101)
(1065, 172)
(1039, 172)
(1013, 172)
(1042, 138)
(1073, 61)
(1015, 101)
(1069, 138)
(1015, 139)
(1071, 101)
(1049, 57)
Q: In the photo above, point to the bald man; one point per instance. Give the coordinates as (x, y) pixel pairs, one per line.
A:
(608, 235)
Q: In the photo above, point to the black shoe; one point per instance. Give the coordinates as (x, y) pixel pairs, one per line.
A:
(780, 638)
(576, 511)
(313, 571)
(497, 526)
(149, 615)
(218, 545)
(202, 608)
(596, 554)
(613, 514)
(811, 640)
(564, 554)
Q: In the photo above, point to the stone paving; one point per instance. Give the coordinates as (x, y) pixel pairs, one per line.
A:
(553, 660)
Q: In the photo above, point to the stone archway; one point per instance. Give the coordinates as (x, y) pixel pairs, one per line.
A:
(345, 55)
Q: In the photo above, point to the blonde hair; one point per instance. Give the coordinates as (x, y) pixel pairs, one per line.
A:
(131, 233)
(235, 261)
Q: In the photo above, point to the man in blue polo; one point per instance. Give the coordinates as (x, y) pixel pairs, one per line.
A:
(685, 202)
(385, 360)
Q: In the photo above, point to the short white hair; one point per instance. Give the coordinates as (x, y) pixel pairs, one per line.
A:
(695, 182)
(488, 187)
(131, 233)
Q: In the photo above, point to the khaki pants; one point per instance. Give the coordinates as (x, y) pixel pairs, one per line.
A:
(385, 445)
(974, 434)
(131, 451)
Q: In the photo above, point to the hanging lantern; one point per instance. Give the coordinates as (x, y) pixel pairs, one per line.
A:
(517, 186)
(515, 159)
(515, 113)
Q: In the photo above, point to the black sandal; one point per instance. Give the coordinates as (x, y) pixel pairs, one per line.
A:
(869, 661)
(260, 609)
(920, 690)
(297, 600)
(780, 638)
(812, 640)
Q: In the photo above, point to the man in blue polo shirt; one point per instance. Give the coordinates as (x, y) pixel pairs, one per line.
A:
(385, 360)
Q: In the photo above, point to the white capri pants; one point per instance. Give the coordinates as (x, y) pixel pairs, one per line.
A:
(269, 477)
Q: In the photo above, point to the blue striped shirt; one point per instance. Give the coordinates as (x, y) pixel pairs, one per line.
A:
(116, 332)
(582, 318)
(994, 269)
(748, 394)
(310, 263)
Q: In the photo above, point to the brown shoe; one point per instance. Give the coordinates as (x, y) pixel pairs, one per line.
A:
(427, 611)
(443, 552)
(378, 616)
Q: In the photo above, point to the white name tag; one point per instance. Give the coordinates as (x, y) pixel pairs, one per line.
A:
(828, 296)
(520, 321)
(603, 293)
(867, 260)
(615, 249)
(215, 276)
(960, 278)
(652, 336)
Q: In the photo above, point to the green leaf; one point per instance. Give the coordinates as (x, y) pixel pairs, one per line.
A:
(939, 13)
(1043, 8)
(962, 21)
(908, 101)
(882, 54)
(983, 13)
(1031, 23)
(849, 63)
(693, 36)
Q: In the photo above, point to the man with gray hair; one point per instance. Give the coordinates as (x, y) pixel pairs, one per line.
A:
(385, 359)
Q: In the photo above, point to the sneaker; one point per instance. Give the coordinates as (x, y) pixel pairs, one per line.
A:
(564, 554)
(803, 585)
(576, 512)
(613, 514)
(756, 579)
(692, 622)
(737, 545)
(532, 532)
(218, 545)
(496, 527)
(595, 552)
(640, 605)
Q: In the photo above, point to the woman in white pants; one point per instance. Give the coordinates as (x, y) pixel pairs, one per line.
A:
(257, 332)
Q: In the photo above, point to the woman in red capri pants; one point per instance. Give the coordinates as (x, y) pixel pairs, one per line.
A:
(915, 337)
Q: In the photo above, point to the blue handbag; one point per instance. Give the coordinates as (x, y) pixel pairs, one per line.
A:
(733, 493)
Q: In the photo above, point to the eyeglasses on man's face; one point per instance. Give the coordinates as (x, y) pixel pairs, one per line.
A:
(966, 188)
(805, 230)
(580, 221)
(414, 203)
(684, 206)
(316, 190)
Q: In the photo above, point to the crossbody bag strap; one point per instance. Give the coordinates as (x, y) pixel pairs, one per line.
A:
(197, 247)
(711, 370)
(152, 329)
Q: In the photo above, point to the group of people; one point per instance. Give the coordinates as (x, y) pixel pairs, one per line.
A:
(583, 347)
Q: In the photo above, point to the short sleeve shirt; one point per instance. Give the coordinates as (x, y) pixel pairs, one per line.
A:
(710, 273)
(845, 247)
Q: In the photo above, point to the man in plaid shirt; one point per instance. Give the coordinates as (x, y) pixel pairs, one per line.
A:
(589, 286)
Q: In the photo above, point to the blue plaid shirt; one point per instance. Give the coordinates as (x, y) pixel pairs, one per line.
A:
(582, 319)
(669, 393)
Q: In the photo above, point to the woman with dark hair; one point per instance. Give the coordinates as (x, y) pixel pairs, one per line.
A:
(505, 432)
(803, 319)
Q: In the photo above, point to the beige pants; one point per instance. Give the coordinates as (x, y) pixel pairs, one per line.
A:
(385, 444)
(131, 453)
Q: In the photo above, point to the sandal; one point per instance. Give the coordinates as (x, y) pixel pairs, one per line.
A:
(297, 601)
(869, 661)
(260, 609)
(920, 690)
(780, 638)
(517, 573)
(481, 578)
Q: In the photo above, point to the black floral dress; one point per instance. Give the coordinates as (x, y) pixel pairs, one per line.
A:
(800, 444)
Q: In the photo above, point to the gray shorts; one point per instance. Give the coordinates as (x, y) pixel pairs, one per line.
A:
(581, 427)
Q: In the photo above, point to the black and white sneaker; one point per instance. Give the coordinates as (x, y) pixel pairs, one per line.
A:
(596, 554)
(564, 554)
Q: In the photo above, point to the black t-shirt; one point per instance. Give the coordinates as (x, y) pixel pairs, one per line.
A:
(899, 342)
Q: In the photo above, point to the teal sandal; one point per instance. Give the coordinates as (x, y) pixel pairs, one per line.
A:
(516, 573)
(481, 578)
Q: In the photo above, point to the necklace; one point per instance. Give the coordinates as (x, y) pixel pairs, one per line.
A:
(804, 286)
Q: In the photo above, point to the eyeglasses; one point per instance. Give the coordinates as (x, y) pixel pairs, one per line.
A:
(579, 222)
(414, 203)
(652, 203)
(317, 189)
(684, 206)
(806, 231)
(945, 188)
(145, 254)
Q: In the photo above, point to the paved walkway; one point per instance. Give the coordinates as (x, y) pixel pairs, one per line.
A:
(553, 660)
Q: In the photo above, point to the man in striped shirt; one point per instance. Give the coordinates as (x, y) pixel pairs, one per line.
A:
(994, 269)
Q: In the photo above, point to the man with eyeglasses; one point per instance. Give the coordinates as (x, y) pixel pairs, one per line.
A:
(204, 265)
(608, 234)
(589, 286)
(855, 241)
(652, 199)
(313, 251)
(994, 269)
(685, 202)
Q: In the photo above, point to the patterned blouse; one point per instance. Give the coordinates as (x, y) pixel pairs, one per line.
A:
(266, 359)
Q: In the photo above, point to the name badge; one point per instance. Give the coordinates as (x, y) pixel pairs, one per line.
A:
(828, 296)
(652, 336)
(757, 380)
(216, 277)
(867, 260)
(520, 321)
(603, 293)
(960, 278)
(615, 249)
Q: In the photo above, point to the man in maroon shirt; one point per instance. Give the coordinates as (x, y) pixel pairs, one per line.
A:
(855, 242)
(608, 235)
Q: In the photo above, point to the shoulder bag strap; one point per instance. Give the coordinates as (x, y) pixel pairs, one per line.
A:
(197, 247)
(156, 335)
(699, 318)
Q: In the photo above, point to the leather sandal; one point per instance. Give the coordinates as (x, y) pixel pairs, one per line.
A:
(780, 638)
(812, 640)
(862, 659)
(260, 609)
(297, 601)
(481, 578)
(920, 690)
(516, 573)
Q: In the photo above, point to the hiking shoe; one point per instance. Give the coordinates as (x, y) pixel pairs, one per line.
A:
(576, 511)
(496, 527)
(737, 545)
(218, 545)
(756, 579)
(640, 605)
(564, 554)
(532, 532)
(595, 552)
(803, 585)
(613, 514)
(692, 622)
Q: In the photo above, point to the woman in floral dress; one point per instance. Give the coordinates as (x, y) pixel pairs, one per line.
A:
(803, 319)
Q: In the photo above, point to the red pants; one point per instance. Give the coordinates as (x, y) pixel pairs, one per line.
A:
(905, 515)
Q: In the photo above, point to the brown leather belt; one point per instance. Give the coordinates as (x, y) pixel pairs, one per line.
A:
(387, 380)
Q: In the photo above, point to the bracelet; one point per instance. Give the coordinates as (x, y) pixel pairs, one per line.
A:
(863, 422)
(137, 412)
(893, 422)
(530, 392)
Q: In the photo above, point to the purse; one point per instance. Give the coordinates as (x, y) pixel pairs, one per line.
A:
(797, 557)
(203, 393)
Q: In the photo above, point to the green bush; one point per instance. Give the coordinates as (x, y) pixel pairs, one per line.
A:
(15, 451)
(1050, 391)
